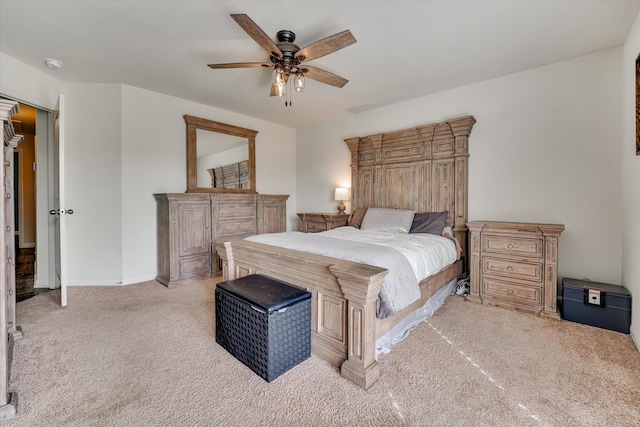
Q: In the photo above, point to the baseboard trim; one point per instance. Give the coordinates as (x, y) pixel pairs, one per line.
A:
(9, 410)
(635, 336)
(41, 284)
(130, 281)
(94, 283)
(45, 284)
(134, 280)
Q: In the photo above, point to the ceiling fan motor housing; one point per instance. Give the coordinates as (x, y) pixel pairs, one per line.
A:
(288, 49)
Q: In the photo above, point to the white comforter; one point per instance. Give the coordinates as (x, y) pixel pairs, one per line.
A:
(408, 257)
(427, 253)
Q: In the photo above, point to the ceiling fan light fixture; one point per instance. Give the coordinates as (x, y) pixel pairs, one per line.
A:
(298, 82)
(278, 83)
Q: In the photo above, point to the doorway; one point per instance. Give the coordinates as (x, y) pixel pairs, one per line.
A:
(31, 199)
(25, 164)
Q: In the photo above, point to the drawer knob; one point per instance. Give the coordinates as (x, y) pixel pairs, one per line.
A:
(196, 265)
(510, 246)
(510, 291)
(509, 268)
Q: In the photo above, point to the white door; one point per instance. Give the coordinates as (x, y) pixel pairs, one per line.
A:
(58, 211)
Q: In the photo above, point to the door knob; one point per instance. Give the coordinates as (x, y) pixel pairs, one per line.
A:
(59, 211)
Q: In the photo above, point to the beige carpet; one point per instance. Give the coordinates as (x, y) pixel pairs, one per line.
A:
(145, 355)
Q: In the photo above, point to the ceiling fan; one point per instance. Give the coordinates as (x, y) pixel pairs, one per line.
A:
(287, 58)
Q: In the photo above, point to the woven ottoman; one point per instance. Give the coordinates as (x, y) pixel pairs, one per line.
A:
(264, 323)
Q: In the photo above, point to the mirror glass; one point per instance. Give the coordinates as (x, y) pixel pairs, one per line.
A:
(222, 160)
(220, 157)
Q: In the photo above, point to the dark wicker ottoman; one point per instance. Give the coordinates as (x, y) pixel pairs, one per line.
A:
(264, 323)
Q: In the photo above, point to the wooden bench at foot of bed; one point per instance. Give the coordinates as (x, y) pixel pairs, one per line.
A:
(344, 326)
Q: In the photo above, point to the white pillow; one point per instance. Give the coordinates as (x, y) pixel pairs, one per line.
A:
(383, 219)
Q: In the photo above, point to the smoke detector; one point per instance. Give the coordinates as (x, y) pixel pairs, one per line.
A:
(53, 63)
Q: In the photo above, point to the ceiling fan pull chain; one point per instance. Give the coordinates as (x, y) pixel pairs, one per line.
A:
(287, 99)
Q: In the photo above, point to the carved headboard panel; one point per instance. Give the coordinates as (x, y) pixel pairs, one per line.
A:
(423, 168)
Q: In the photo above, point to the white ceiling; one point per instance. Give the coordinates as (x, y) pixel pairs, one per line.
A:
(405, 49)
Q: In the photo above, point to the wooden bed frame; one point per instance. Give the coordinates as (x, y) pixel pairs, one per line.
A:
(423, 168)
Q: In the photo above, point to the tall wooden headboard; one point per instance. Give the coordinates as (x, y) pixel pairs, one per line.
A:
(424, 168)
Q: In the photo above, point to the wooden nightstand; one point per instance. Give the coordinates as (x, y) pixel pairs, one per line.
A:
(315, 222)
(515, 265)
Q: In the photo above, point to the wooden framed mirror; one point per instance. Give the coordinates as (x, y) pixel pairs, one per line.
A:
(220, 157)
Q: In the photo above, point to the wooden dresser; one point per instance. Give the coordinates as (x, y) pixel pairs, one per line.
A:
(316, 222)
(10, 332)
(515, 265)
(188, 222)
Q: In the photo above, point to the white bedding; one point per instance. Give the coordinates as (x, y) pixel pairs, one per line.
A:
(408, 257)
(427, 253)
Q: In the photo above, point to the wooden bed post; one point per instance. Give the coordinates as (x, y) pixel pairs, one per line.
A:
(474, 264)
(461, 129)
(361, 292)
(352, 143)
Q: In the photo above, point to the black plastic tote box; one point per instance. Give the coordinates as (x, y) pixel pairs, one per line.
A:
(264, 323)
(596, 304)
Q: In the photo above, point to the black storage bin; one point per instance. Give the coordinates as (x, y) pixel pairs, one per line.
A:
(580, 304)
(264, 323)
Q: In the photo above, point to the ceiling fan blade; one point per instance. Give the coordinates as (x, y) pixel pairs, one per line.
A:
(324, 76)
(257, 34)
(326, 46)
(242, 65)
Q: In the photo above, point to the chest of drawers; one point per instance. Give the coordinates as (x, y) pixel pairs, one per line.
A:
(515, 265)
(316, 222)
(188, 223)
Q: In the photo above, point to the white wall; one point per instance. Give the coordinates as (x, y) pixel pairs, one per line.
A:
(123, 145)
(545, 148)
(631, 181)
(31, 85)
(93, 180)
(154, 161)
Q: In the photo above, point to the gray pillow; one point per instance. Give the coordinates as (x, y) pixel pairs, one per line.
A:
(429, 222)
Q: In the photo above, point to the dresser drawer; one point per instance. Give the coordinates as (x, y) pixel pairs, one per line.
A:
(316, 226)
(236, 226)
(512, 292)
(522, 246)
(531, 271)
(195, 266)
(315, 222)
(236, 209)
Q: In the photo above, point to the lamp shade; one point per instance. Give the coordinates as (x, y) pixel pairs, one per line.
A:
(341, 194)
